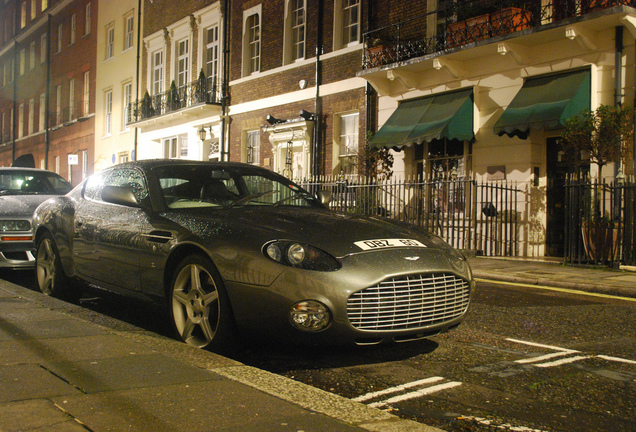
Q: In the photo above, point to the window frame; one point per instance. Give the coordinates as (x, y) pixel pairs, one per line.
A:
(110, 42)
(108, 113)
(252, 41)
(129, 31)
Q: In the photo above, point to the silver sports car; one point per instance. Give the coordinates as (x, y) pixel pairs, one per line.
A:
(21, 191)
(229, 248)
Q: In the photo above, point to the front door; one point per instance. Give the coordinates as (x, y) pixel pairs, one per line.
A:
(557, 170)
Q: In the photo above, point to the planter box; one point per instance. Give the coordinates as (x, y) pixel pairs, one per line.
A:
(509, 20)
(467, 31)
(380, 55)
(600, 240)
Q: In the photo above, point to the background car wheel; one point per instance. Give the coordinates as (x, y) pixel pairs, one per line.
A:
(50, 276)
(198, 305)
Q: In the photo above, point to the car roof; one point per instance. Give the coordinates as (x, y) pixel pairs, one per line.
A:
(148, 164)
(21, 169)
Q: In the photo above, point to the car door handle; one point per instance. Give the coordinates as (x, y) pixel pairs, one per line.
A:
(158, 236)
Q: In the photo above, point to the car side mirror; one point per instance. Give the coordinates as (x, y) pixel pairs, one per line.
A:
(325, 197)
(122, 195)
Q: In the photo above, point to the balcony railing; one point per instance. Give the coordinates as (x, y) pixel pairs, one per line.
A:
(200, 92)
(467, 22)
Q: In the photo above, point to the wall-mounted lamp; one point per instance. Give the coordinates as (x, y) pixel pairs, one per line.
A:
(302, 84)
(437, 64)
(501, 49)
(273, 120)
(390, 75)
(570, 33)
(202, 133)
(306, 115)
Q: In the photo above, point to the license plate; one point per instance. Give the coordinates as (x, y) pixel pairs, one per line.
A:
(388, 243)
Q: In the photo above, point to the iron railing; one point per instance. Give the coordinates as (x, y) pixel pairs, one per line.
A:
(480, 217)
(202, 91)
(600, 222)
(468, 22)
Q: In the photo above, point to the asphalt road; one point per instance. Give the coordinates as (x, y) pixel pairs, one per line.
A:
(525, 359)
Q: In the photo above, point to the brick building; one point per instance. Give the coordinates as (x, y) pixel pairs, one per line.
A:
(47, 58)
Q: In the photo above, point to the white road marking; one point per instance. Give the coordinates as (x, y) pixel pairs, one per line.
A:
(396, 389)
(416, 394)
(616, 359)
(562, 361)
(559, 353)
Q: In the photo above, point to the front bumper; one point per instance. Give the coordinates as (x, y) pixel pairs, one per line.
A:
(265, 310)
(17, 260)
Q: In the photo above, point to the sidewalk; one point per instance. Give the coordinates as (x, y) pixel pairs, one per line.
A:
(555, 274)
(67, 369)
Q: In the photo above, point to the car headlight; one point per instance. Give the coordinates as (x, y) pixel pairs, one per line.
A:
(310, 315)
(300, 255)
(15, 225)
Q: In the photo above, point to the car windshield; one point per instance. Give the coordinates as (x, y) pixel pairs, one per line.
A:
(17, 182)
(190, 186)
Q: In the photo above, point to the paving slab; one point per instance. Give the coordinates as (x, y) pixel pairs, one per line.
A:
(37, 415)
(196, 407)
(30, 381)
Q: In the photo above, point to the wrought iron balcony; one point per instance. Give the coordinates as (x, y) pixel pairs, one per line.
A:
(467, 22)
(200, 92)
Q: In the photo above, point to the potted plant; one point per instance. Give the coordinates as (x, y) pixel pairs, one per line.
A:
(172, 98)
(147, 109)
(605, 135)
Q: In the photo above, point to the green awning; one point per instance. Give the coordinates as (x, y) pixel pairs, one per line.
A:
(448, 115)
(545, 103)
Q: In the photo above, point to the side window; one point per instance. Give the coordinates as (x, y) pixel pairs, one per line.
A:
(129, 177)
(119, 177)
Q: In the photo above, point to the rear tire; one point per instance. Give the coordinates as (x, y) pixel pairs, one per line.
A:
(198, 306)
(50, 275)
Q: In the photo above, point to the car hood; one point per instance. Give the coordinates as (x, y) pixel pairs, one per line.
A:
(20, 205)
(334, 232)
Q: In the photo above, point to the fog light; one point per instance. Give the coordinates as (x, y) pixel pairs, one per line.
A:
(310, 316)
(296, 254)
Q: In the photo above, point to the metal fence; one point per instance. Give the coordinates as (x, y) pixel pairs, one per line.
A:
(600, 222)
(480, 217)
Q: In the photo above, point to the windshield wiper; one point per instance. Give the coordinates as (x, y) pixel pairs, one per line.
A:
(251, 197)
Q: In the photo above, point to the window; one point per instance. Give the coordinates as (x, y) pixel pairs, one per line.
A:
(42, 116)
(348, 142)
(84, 164)
(87, 20)
(117, 177)
(23, 15)
(350, 21)
(73, 26)
(252, 41)
(8, 70)
(71, 99)
(33, 9)
(57, 164)
(45, 4)
(297, 23)
(171, 148)
(58, 105)
(129, 28)
(157, 72)
(253, 147)
(21, 120)
(183, 62)
(30, 124)
(108, 111)
(212, 52)
(127, 102)
(32, 56)
(110, 42)
(60, 33)
(86, 94)
(22, 61)
(43, 46)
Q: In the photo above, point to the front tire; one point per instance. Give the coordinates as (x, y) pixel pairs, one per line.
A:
(50, 275)
(199, 309)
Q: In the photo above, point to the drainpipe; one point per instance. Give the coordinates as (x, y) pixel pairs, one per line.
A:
(16, 114)
(47, 94)
(618, 82)
(137, 78)
(225, 156)
(317, 138)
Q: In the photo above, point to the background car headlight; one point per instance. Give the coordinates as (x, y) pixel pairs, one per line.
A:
(310, 315)
(300, 255)
(15, 225)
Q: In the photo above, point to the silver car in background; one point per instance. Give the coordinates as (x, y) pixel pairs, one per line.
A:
(21, 191)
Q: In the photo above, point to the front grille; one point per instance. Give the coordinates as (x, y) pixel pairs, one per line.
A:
(409, 302)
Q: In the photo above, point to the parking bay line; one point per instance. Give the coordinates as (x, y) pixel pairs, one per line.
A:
(396, 389)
